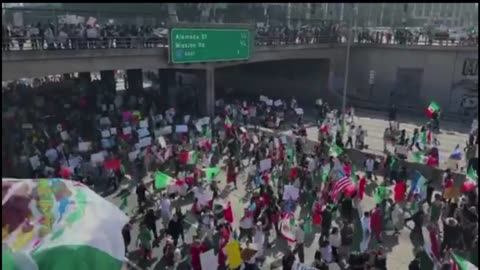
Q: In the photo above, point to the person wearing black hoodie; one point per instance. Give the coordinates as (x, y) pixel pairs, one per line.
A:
(150, 222)
(127, 238)
(175, 228)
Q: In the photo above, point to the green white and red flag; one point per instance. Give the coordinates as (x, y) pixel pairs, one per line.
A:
(432, 108)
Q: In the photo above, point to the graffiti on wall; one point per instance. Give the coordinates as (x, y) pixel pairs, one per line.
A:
(470, 67)
(464, 97)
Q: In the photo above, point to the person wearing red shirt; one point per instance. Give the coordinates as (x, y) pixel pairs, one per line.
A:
(196, 249)
(376, 222)
(399, 191)
(361, 187)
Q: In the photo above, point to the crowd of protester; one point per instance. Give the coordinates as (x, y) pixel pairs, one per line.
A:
(45, 131)
(81, 36)
(84, 36)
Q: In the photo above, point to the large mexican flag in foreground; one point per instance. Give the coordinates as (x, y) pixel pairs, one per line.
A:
(56, 224)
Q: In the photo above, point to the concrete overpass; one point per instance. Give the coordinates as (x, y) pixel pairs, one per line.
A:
(413, 75)
(31, 64)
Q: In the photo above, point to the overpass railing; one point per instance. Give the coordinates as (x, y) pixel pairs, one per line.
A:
(137, 42)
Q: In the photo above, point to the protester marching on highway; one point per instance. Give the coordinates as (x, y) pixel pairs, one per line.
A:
(298, 186)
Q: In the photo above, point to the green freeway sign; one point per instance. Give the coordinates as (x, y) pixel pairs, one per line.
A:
(208, 45)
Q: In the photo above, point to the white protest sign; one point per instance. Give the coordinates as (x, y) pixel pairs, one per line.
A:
(186, 119)
(74, 162)
(181, 128)
(255, 139)
(319, 101)
(127, 130)
(277, 103)
(91, 21)
(217, 120)
(204, 120)
(97, 158)
(113, 131)
(162, 142)
(104, 107)
(301, 266)
(143, 132)
(252, 111)
(144, 124)
(264, 98)
(105, 133)
(163, 131)
(265, 164)
(276, 142)
(34, 162)
(84, 146)
(133, 155)
(269, 102)
(401, 150)
(208, 260)
(299, 111)
(145, 142)
(289, 191)
(105, 121)
(242, 129)
(204, 197)
(65, 136)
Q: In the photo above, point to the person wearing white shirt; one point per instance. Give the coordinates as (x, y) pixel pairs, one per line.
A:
(166, 208)
(335, 241)
(259, 240)
(300, 238)
(326, 250)
(246, 225)
(365, 221)
(370, 168)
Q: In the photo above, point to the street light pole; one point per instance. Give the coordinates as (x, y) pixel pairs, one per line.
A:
(347, 64)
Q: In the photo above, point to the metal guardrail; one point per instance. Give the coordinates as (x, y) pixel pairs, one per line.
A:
(27, 44)
(67, 43)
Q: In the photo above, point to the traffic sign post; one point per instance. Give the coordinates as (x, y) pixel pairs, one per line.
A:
(196, 45)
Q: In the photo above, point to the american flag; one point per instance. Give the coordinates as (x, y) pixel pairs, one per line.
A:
(339, 186)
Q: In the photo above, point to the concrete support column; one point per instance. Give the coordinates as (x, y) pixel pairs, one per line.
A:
(167, 83)
(331, 75)
(108, 80)
(210, 91)
(134, 80)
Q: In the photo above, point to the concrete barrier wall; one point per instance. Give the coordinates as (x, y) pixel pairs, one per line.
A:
(439, 72)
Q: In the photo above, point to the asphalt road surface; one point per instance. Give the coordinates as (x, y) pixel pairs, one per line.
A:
(399, 247)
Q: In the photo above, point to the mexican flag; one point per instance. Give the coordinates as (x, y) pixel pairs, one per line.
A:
(324, 126)
(228, 123)
(433, 107)
(353, 176)
(189, 158)
(461, 263)
(419, 157)
(162, 180)
(210, 173)
(71, 228)
(471, 180)
(335, 150)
